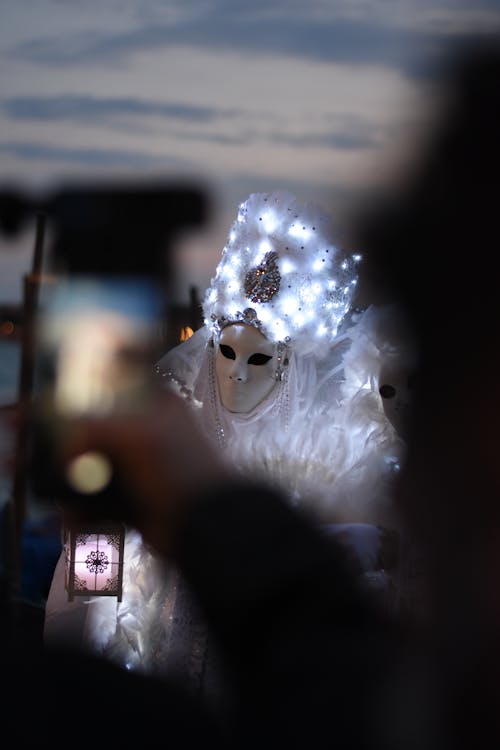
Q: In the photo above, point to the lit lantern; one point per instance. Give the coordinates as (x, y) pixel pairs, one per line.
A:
(94, 559)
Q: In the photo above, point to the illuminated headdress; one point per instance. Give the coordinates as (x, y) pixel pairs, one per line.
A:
(281, 272)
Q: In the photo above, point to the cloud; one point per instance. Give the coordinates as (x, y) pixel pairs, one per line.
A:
(69, 106)
(314, 37)
(346, 136)
(88, 157)
(336, 140)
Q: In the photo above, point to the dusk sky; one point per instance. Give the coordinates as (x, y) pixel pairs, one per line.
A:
(328, 99)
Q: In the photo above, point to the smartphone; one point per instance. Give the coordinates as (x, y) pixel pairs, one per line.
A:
(96, 341)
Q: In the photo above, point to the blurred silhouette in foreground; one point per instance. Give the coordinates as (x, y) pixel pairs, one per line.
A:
(434, 250)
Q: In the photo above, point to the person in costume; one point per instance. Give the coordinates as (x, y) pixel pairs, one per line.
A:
(283, 374)
(283, 378)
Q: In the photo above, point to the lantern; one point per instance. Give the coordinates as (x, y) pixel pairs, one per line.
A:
(94, 559)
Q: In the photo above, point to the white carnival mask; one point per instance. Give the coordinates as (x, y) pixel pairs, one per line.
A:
(245, 367)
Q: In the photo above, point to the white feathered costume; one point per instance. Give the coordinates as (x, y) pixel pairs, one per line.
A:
(321, 434)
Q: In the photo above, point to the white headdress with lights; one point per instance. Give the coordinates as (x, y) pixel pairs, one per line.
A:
(282, 272)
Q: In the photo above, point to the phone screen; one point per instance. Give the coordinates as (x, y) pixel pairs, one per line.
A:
(97, 341)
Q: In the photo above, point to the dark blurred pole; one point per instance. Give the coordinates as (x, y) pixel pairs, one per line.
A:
(195, 309)
(31, 286)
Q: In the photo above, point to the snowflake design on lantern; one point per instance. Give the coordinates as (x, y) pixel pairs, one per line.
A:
(97, 562)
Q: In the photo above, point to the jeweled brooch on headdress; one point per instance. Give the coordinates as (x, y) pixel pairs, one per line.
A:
(263, 282)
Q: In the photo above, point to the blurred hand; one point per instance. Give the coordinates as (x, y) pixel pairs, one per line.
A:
(163, 459)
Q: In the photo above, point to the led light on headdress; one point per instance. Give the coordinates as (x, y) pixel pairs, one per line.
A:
(281, 272)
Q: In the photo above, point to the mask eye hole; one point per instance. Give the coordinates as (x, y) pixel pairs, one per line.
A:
(259, 359)
(227, 351)
(387, 391)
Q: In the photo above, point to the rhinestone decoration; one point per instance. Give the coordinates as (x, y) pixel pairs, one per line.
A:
(281, 358)
(177, 384)
(248, 316)
(263, 282)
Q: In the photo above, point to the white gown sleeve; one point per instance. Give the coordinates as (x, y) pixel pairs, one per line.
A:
(85, 623)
